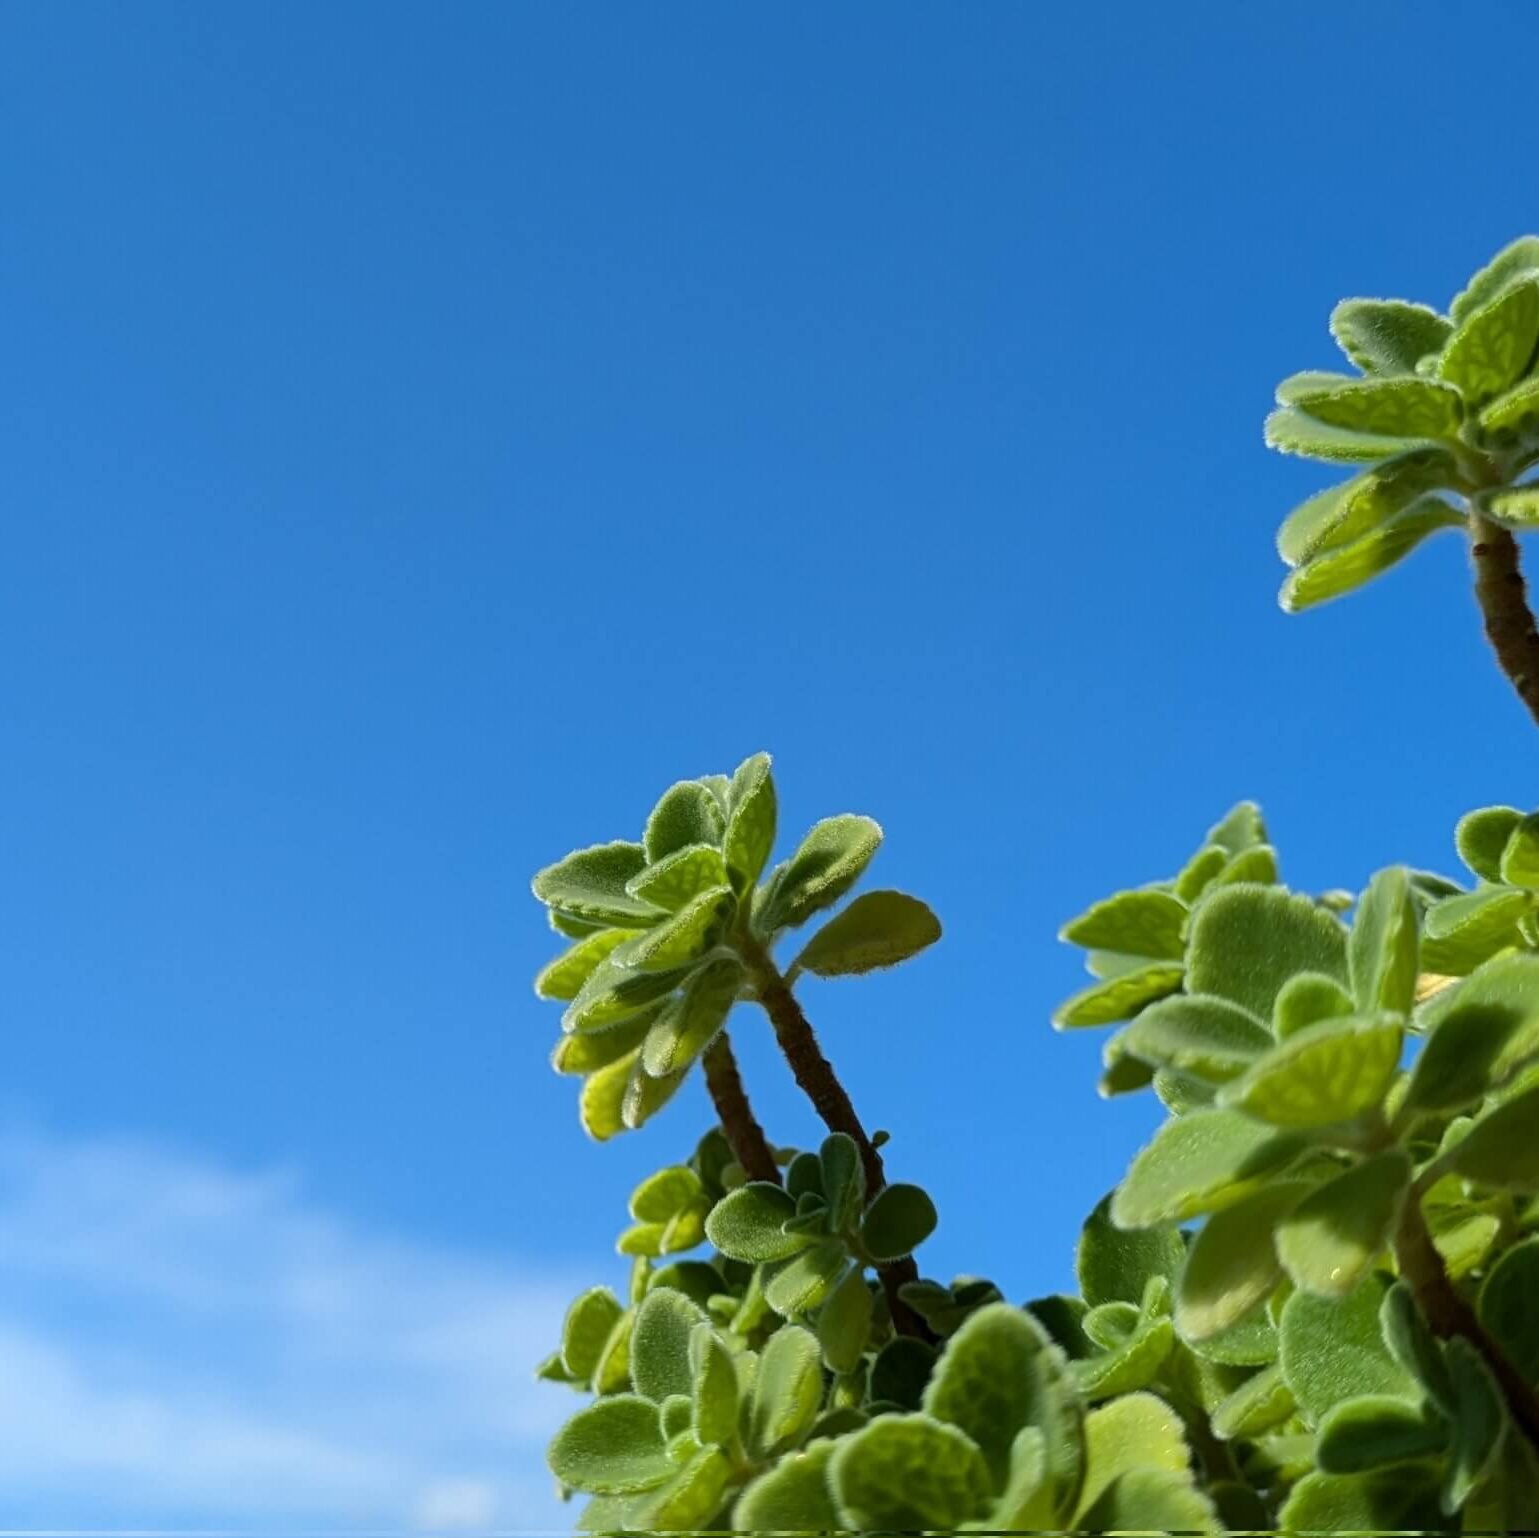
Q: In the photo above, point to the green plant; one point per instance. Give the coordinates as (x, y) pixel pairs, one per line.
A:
(1309, 1304)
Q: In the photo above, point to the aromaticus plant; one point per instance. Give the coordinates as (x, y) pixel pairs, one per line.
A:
(1311, 1305)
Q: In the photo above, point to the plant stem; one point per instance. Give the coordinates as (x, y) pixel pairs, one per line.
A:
(750, 1147)
(818, 1081)
(1503, 598)
(1450, 1316)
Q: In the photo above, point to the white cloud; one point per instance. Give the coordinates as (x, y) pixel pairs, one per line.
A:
(181, 1343)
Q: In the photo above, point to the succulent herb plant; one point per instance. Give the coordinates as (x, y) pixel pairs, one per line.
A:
(1312, 1303)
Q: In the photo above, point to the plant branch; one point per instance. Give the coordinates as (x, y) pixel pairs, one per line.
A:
(1450, 1316)
(818, 1081)
(1503, 597)
(749, 1146)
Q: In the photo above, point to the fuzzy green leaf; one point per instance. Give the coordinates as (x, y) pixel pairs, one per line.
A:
(828, 863)
(1520, 858)
(1200, 1163)
(614, 993)
(665, 1320)
(690, 1499)
(1516, 508)
(1395, 408)
(1494, 346)
(1479, 1033)
(1479, 1423)
(687, 814)
(908, 1472)
(564, 977)
(1373, 1431)
(1336, 572)
(1507, 1306)
(1396, 1500)
(1513, 264)
(1410, 1342)
(588, 1051)
(793, 1497)
(1197, 1034)
(788, 1390)
(1292, 431)
(878, 929)
(690, 1022)
(1516, 411)
(1233, 1264)
(683, 939)
(1134, 1361)
(1306, 999)
(589, 1323)
(1331, 1240)
(1334, 1072)
(751, 821)
(601, 1101)
(1261, 1402)
(1120, 997)
(645, 1095)
(841, 1180)
(1388, 336)
(1383, 946)
(1115, 1265)
(683, 874)
(799, 1285)
(1501, 1151)
(1331, 1349)
(614, 1447)
(1147, 1500)
(1464, 931)
(749, 1224)
(1139, 923)
(900, 1218)
(715, 1393)
(1138, 1434)
(1247, 941)
(844, 1322)
(590, 884)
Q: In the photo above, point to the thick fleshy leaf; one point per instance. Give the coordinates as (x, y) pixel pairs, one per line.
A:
(1119, 997)
(1494, 346)
(828, 863)
(1332, 1239)
(878, 929)
(788, 1390)
(1331, 1349)
(683, 939)
(715, 1395)
(799, 1285)
(1388, 336)
(793, 1497)
(909, 1472)
(1501, 1151)
(1133, 1362)
(1148, 1500)
(1199, 871)
(1250, 1343)
(1200, 1163)
(1139, 923)
(588, 1051)
(901, 1370)
(1233, 1264)
(686, 814)
(1115, 1264)
(689, 1023)
(1292, 431)
(615, 993)
(662, 1195)
(1481, 838)
(988, 1382)
(1374, 1431)
(1136, 1433)
(1520, 858)
(645, 1095)
(1395, 1500)
(683, 874)
(751, 821)
(1507, 1307)
(749, 1224)
(1240, 828)
(601, 1102)
(1464, 931)
(1340, 515)
(1410, 1342)
(1516, 411)
(589, 1323)
(1382, 948)
(1258, 863)
(1026, 1503)
(1479, 1033)
(590, 884)
(1513, 264)
(1247, 941)
(1306, 999)
(1261, 1402)
(900, 1218)
(1197, 1034)
(660, 1338)
(614, 1447)
(1334, 1072)
(1336, 572)
(1479, 1423)
(691, 1498)
(841, 1180)
(564, 977)
(1395, 408)
(844, 1322)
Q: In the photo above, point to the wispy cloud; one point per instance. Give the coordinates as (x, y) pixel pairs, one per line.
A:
(182, 1343)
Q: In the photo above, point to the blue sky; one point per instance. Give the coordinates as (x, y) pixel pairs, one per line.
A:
(429, 431)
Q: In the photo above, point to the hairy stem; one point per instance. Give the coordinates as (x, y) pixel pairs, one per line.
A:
(818, 1081)
(1503, 598)
(1451, 1317)
(750, 1147)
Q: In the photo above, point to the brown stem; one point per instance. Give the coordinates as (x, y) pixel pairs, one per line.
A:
(750, 1147)
(1451, 1317)
(816, 1076)
(1503, 597)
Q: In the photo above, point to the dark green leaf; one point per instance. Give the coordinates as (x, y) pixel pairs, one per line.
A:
(1479, 1423)
(1397, 1500)
(900, 1218)
(1508, 1307)
(1410, 1342)
(1373, 1431)
(1114, 1264)
(1501, 1151)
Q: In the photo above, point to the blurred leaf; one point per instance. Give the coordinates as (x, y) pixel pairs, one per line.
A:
(1375, 1430)
(1136, 1433)
(1501, 1151)
(1479, 1423)
(1332, 1239)
(1514, 411)
(1399, 1500)
(793, 1497)
(1520, 859)
(909, 1472)
(1306, 999)
(1479, 1033)
(844, 1323)
(1257, 1405)
(1507, 1307)
(1410, 1342)
(1464, 931)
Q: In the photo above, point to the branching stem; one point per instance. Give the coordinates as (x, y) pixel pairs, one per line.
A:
(1451, 1317)
(1503, 598)
(818, 1081)
(750, 1147)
